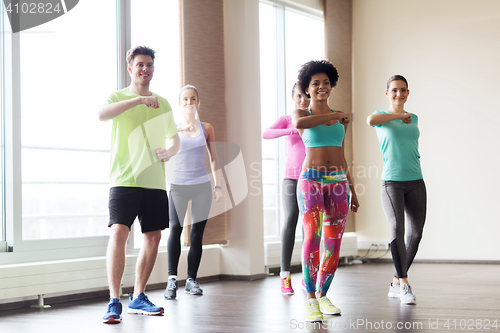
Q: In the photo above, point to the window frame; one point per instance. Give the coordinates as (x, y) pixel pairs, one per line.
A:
(280, 8)
(3, 243)
(14, 249)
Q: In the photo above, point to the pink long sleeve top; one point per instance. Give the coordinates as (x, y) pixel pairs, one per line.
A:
(295, 150)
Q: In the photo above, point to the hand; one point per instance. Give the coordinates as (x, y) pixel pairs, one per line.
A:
(217, 194)
(186, 128)
(354, 204)
(406, 118)
(150, 102)
(343, 117)
(294, 131)
(162, 154)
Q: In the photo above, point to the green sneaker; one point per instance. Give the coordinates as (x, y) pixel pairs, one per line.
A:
(312, 310)
(327, 307)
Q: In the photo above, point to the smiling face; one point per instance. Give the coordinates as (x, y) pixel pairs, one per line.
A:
(319, 87)
(188, 100)
(141, 70)
(300, 99)
(397, 92)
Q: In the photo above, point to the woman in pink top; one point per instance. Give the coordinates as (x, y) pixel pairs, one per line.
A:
(295, 154)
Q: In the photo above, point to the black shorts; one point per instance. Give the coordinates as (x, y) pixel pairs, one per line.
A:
(149, 205)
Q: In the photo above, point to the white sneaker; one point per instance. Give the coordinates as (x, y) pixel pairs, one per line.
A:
(406, 295)
(394, 290)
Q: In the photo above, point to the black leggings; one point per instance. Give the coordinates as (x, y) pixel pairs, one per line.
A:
(201, 200)
(291, 207)
(398, 198)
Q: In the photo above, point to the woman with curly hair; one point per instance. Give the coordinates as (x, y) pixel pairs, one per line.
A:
(323, 186)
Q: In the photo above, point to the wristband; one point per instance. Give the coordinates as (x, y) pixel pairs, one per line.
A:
(217, 186)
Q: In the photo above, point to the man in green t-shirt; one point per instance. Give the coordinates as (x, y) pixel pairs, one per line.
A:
(142, 121)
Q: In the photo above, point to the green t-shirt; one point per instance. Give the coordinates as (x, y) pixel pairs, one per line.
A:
(399, 146)
(136, 134)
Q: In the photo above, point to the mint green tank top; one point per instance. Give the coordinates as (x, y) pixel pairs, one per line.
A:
(399, 147)
(324, 135)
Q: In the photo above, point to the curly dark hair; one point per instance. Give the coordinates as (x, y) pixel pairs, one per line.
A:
(312, 67)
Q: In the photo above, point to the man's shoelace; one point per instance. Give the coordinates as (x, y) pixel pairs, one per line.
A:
(112, 307)
(147, 301)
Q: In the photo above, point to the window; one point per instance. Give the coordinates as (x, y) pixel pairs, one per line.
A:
(2, 145)
(54, 163)
(162, 34)
(284, 46)
(66, 72)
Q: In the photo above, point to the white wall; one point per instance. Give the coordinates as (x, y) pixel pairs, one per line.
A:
(449, 51)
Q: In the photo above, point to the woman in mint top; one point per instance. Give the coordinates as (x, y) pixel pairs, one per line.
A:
(403, 187)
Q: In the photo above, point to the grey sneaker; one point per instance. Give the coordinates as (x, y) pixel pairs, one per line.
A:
(394, 290)
(171, 290)
(406, 295)
(193, 287)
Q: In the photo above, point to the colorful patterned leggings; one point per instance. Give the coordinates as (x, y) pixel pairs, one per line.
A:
(323, 199)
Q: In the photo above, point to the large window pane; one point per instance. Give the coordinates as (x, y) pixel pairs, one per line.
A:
(68, 68)
(270, 227)
(301, 45)
(284, 46)
(159, 31)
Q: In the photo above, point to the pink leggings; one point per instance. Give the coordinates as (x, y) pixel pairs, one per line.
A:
(323, 199)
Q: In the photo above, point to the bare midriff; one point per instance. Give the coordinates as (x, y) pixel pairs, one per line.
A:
(328, 158)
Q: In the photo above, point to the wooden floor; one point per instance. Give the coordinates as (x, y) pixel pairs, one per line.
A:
(466, 296)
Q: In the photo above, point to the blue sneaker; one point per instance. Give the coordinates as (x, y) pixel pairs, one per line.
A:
(142, 305)
(114, 313)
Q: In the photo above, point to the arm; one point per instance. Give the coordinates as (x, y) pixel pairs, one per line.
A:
(214, 160)
(301, 119)
(112, 110)
(279, 128)
(354, 204)
(382, 118)
(174, 144)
